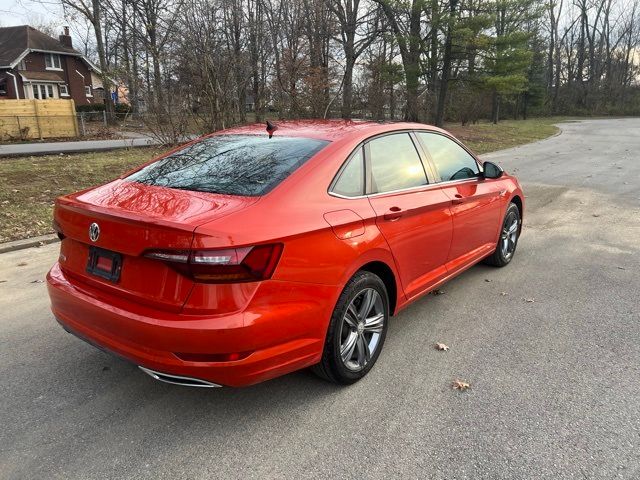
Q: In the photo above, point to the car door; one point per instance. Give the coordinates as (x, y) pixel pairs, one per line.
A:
(477, 203)
(412, 213)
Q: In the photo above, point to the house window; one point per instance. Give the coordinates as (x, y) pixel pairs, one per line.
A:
(64, 90)
(42, 91)
(87, 90)
(52, 61)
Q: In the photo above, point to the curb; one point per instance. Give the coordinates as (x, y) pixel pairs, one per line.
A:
(28, 243)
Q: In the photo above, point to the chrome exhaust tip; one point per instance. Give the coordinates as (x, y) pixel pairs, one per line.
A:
(177, 379)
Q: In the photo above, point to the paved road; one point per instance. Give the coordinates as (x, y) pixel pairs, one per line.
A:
(554, 381)
(36, 148)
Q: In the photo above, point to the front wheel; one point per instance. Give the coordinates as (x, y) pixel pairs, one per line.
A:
(509, 234)
(357, 330)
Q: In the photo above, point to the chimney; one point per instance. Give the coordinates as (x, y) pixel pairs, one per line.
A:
(65, 38)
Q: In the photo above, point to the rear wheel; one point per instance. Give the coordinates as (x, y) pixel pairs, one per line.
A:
(357, 330)
(509, 234)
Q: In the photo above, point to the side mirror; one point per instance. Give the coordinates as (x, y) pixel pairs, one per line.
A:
(492, 170)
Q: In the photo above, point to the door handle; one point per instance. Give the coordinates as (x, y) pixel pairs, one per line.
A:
(457, 199)
(394, 213)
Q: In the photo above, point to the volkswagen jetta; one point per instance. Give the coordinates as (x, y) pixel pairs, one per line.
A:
(247, 254)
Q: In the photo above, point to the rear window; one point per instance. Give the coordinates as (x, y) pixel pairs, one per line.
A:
(246, 165)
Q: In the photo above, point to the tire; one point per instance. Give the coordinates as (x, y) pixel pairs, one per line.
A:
(355, 332)
(508, 241)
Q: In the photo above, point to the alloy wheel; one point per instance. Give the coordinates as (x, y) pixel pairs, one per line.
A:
(362, 325)
(509, 235)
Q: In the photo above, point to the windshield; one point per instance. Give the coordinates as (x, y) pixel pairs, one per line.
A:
(247, 165)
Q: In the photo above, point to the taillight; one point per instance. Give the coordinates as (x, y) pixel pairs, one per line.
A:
(245, 264)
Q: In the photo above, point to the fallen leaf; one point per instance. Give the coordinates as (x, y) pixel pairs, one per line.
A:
(37, 281)
(621, 268)
(529, 300)
(22, 264)
(460, 385)
(442, 346)
(3, 281)
(595, 215)
(504, 294)
(488, 280)
(437, 291)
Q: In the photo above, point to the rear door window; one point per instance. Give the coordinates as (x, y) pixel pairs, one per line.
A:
(451, 160)
(350, 183)
(247, 165)
(395, 164)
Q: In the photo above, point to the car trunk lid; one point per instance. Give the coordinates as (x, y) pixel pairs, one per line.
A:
(133, 218)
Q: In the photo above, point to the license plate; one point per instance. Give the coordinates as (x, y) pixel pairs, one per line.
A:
(104, 263)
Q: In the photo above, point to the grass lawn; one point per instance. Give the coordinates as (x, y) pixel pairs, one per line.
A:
(486, 137)
(29, 185)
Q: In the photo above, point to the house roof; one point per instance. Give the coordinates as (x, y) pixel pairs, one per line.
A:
(42, 76)
(15, 41)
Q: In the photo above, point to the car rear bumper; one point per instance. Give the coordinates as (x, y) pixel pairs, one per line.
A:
(282, 328)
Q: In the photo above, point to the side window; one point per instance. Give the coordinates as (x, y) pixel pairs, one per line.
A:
(395, 164)
(351, 180)
(452, 161)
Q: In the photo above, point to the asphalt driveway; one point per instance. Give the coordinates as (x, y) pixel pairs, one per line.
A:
(550, 345)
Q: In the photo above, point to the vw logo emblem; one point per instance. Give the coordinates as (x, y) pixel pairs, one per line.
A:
(94, 231)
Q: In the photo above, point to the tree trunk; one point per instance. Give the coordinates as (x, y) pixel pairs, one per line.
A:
(495, 108)
(446, 66)
(97, 27)
(347, 87)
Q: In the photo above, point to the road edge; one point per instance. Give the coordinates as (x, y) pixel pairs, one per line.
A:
(28, 243)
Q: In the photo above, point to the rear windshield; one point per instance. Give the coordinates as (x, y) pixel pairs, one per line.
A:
(247, 165)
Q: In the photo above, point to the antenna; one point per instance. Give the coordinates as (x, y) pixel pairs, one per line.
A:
(271, 127)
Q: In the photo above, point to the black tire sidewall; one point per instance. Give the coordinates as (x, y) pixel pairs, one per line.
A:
(358, 282)
(511, 208)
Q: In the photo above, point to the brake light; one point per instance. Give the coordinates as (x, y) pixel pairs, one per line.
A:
(245, 264)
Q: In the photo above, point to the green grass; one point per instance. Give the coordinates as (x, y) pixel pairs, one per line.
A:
(486, 137)
(29, 185)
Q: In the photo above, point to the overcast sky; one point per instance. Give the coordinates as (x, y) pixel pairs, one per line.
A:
(24, 12)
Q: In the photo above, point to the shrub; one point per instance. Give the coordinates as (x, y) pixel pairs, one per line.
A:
(94, 107)
(122, 108)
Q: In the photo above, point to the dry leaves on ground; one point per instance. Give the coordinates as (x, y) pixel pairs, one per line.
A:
(442, 346)
(437, 291)
(460, 385)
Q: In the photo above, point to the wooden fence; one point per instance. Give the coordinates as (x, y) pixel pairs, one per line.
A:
(37, 119)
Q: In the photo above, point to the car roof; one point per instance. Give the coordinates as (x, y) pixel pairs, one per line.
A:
(326, 129)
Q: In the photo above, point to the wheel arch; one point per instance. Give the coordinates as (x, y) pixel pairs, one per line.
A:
(386, 274)
(518, 202)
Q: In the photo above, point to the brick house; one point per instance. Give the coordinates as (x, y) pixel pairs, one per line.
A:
(34, 65)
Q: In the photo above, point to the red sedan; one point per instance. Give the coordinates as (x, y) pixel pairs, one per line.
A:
(247, 254)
